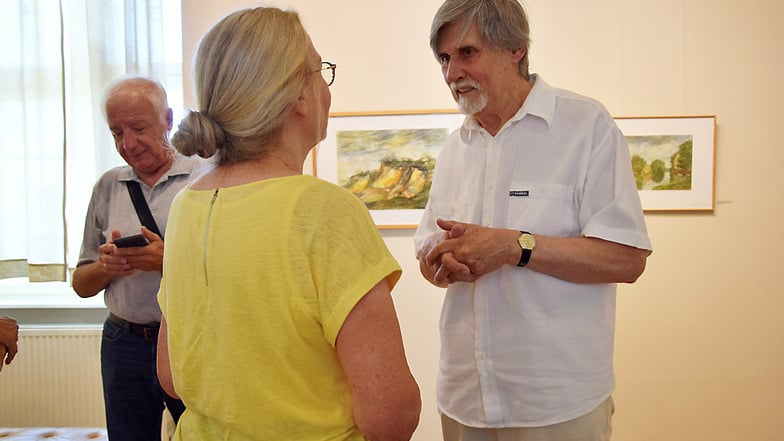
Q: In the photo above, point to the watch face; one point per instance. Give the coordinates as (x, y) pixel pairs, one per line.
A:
(526, 241)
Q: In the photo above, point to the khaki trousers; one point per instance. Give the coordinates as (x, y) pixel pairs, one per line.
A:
(594, 426)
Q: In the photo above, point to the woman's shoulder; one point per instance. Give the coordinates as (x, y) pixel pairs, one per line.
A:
(320, 188)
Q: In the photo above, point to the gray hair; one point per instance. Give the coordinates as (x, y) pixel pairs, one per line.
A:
(147, 87)
(503, 24)
(250, 69)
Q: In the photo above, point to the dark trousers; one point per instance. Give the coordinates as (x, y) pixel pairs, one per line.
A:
(133, 397)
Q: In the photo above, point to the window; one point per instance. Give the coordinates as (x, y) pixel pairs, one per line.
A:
(57, 58)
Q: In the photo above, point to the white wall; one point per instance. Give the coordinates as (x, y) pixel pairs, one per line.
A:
(699, 352)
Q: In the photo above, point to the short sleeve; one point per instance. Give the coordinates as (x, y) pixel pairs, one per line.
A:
(347, 255)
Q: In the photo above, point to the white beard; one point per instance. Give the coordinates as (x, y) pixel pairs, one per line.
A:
(472, 107)
(469, 106)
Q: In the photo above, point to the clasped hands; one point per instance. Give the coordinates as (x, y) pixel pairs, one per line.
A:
(124, 261)
(465, 252)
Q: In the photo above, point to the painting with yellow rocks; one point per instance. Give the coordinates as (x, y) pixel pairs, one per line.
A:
(386, 160)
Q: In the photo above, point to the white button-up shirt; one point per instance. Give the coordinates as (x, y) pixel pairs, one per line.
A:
(521, 348)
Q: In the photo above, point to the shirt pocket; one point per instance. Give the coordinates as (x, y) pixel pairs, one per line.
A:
(454, 210)
(543, 208)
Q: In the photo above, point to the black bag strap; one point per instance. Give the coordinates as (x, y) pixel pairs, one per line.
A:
(142, 210)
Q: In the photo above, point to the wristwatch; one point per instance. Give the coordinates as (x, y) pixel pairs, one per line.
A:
(527, 243)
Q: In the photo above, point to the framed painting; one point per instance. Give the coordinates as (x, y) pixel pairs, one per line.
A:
(385, 159)
(673, 161)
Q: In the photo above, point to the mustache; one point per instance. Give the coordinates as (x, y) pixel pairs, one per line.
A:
(464, 83)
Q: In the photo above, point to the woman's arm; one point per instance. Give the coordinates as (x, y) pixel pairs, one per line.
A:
(163, 363)
(385, 395)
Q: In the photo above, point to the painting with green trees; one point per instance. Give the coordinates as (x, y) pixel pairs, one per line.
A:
(662, 162)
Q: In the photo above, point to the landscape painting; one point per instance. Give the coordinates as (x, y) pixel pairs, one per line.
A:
(389, 169)
(661, 162)
(386, 160)
(673, 160)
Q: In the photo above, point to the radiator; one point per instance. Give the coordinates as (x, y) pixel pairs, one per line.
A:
(55, 379)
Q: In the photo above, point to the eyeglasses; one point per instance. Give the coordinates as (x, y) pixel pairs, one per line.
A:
(327, 72)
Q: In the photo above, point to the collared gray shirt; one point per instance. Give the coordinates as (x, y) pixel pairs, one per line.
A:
(133, 297)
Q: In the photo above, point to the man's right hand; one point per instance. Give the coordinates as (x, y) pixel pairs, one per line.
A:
(445, 269)
(92, 278)
(112, 264)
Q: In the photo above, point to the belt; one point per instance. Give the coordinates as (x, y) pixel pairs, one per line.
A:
(149, 331)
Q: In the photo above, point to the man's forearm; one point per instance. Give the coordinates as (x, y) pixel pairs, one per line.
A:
(587, 260)
(90, 279)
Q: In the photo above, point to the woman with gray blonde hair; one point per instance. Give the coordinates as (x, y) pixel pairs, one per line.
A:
(278, 322)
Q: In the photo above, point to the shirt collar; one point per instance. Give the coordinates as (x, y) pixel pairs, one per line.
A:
(179, 167)
(540, 103)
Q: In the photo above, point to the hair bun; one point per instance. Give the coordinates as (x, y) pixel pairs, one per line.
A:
(198, 134)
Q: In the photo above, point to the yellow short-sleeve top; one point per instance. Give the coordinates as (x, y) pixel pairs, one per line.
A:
(257, 282)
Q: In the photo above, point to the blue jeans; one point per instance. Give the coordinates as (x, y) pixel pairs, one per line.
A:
(132, 395)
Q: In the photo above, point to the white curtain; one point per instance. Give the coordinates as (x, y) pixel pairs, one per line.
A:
(57, 58)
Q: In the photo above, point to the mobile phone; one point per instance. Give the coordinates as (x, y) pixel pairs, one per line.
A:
(137, 240)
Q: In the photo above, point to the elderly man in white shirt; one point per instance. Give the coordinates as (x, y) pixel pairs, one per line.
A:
(533, 218)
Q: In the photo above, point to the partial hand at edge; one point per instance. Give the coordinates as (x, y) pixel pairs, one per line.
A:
(9, 334)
